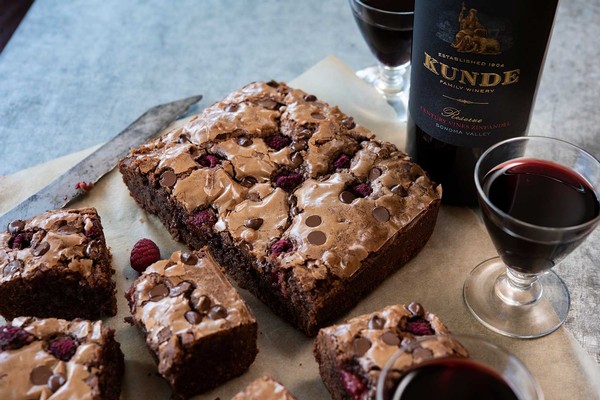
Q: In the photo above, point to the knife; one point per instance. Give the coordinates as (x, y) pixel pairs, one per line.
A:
(65, 188)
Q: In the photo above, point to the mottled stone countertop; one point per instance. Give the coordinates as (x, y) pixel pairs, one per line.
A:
(76, 73)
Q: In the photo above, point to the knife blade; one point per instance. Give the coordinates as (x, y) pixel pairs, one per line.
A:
(63, 189)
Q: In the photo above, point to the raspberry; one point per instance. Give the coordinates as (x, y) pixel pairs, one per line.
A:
(353, 384)
(277, 142)
(13, 337)
(361, 190)
(418, 326)
(281, 246)
(209, 161)
(94, 232)
(288, 180)
(144, 253)
(22, 240)
(63, 348)
(343, 161)
(201, 218)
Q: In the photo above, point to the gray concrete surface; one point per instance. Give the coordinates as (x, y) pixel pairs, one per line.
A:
(75, 73)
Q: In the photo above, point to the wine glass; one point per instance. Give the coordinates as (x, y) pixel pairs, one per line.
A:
(539, 200)
(489, 372)
(386, 26)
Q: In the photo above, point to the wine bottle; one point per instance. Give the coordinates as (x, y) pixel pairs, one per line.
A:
(475, 71)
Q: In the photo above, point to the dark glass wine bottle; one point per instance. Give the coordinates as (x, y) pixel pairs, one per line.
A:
(475, 71)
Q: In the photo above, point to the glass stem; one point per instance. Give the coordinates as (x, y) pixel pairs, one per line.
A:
(518, 289)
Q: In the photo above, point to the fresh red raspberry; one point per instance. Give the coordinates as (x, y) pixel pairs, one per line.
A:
(418, 326)
(144, 253)
(281, 246)
(288, 180)
(201, 218)
(353, 384)
(63, 348)
(22, 240)
(13, 337)
(343, 161)
(361, 190)
(209, 161)
(277, 142)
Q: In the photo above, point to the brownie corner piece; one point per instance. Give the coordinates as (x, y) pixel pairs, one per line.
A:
(195, 323)
(351, 355)
(265, 387)
(56, 358)
(57, 265)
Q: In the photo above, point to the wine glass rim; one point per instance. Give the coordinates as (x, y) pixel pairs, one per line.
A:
(458, 337)
(382, 11)
(509, 217)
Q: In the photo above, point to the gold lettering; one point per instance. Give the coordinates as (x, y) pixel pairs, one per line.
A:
(445, 72)
(485, 79)
(430, 63)
(511, 76)
(469, 76)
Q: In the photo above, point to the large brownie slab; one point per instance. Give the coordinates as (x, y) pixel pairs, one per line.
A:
(298, 204)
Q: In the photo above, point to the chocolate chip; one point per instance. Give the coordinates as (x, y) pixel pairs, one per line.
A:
(313, 221)
(67, 229)
(304, 134)
(416, 309)
(273, 84)
(201, 303)
(297, 146)
(296, 160)
(231, 107)
(374, 174)
(217, 312)
(164, 334)
(376, 322)
(422, 353)
(55, 382)
(400, 190)
(181, 288)
(347, 197)
(40, 375)
(92, 250)
(310, 97)
(244, 141)
(381, 214)
(168, 179)
(317, 115)
(159, 292)
(270, 104)
(193, 317)
(349, 123)
(189, 258)
(41, 249)
(254, 223)
(12, 268)
(187, 339)
(16, 226)
(360, 346)
(184, 137)
(248, 181)
(390, 338)
(317, 238)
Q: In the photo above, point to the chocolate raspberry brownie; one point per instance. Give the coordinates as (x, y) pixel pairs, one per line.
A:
(195, 323)
(300, 205)
(56, 265)
(59, 359)
(351, 355)
(265, 388)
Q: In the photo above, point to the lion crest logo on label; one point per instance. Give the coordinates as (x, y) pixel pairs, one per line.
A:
(472, 36)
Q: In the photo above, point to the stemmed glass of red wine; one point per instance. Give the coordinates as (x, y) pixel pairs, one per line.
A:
(386, 26)
(539, 198)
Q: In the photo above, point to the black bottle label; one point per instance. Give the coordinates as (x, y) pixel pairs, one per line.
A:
(475, 67)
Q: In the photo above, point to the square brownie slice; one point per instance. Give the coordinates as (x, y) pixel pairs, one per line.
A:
(59, 359)
(195, 323)
(351, 355)
(56, 265)
(301, 206)
(265, 388)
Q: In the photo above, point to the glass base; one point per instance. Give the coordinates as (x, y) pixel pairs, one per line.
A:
(392, 83)
(543, 314)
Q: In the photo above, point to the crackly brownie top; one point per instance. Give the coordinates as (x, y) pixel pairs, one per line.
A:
(292, 179)
(69, 240)
(368, 342)
(182, 299)
(50, 358)
(264, 388)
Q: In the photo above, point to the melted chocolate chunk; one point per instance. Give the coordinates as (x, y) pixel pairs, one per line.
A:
(16, 226)
(374, 174)
(182, 288)
(381, 214)
(13, 267)
(164, 334)
(376, 322)
(416, 309)
(317, 115)
(40, 375)
(317, 238)
(189, 258)
(400, 190)
(313, 221)
(254, 223)
(248, 181)
(347, 197)
(93, 249)
(41, 249)
(201, 303)
(193, 317)
(360, 346)
(55, 382)
(168, 179)
(159, 292)
(231, 108)
(390, 338)
(244, 141)
(217, 312)
(310, 97)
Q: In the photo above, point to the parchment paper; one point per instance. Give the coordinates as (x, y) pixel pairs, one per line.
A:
(434, 278)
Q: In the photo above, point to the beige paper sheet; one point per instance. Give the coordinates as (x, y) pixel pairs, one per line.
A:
(433, 278)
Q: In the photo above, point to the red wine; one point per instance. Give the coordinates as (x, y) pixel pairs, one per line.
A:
(453, 379)
(474, 74)
(389, 36)
(540, 193)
